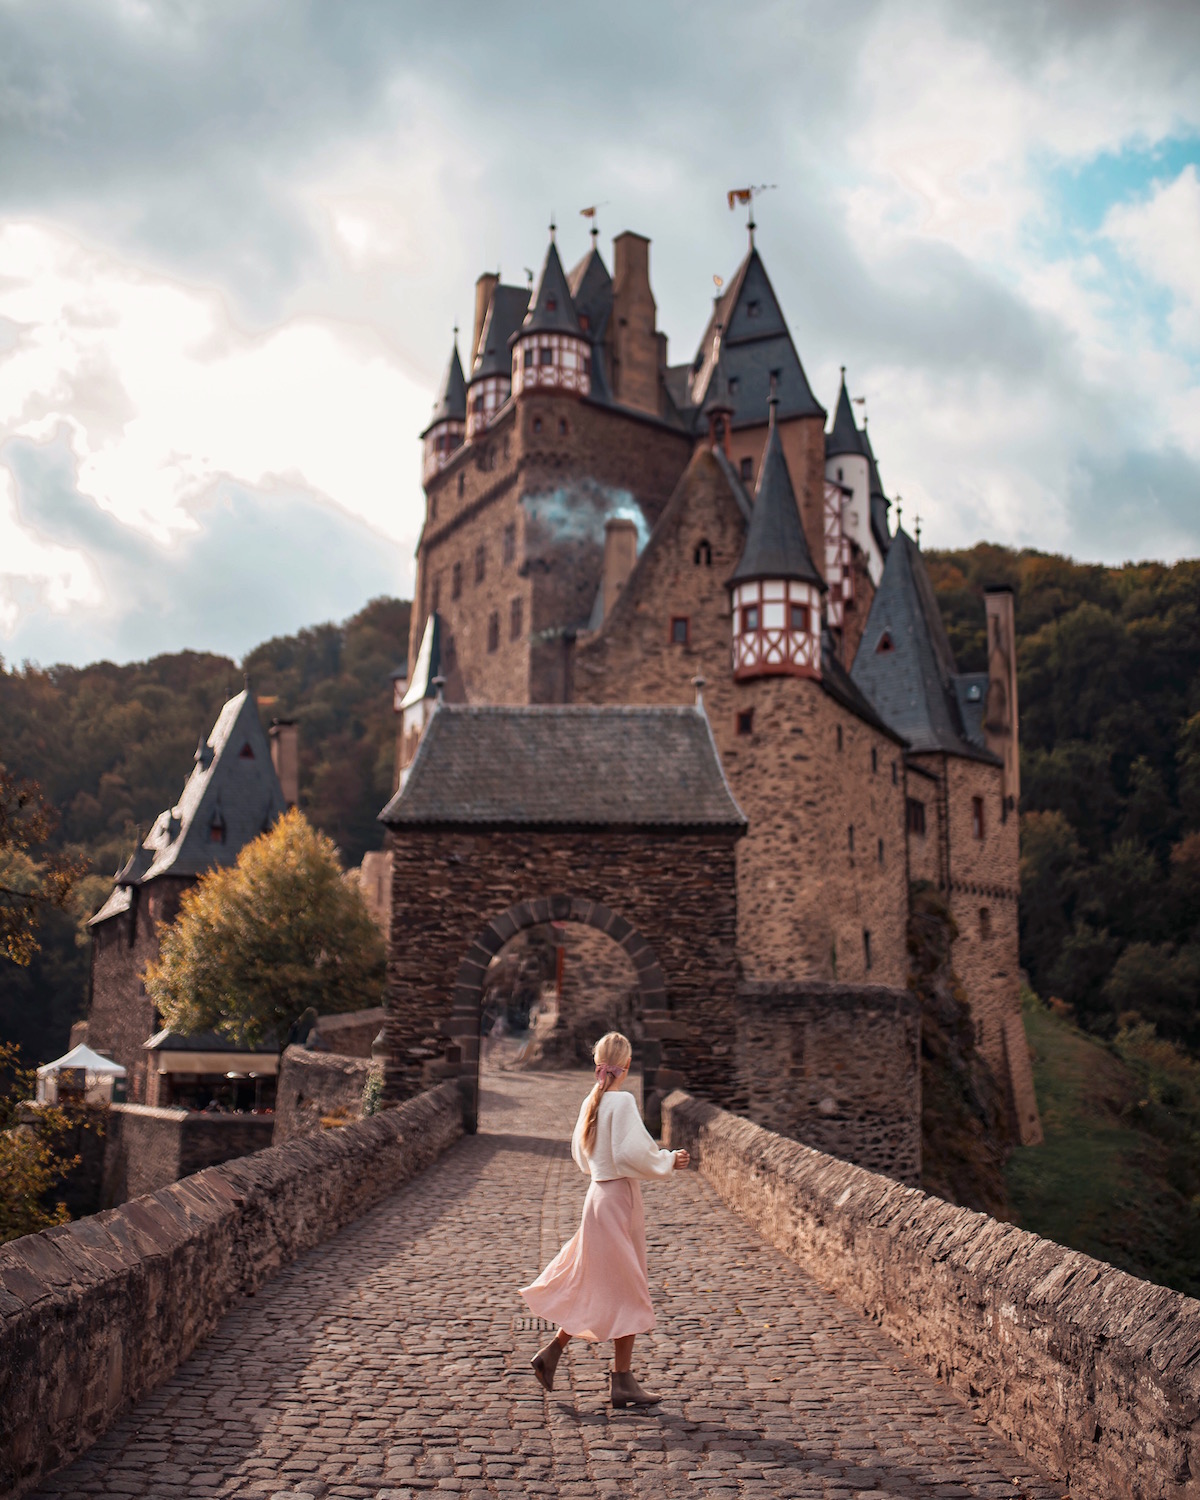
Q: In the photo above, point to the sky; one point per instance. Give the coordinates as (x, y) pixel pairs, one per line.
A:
(236, 236)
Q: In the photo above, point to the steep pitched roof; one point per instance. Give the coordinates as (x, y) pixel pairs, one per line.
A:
(232, 785)
(911, 682)
(428, 665)
(775, 544)
(756, 346)
(844, 437)
(880, 504)
(501, 321)
(451, 404)
(566, 766)
(553, 310)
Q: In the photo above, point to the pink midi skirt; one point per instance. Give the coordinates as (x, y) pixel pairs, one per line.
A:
(596, 1286)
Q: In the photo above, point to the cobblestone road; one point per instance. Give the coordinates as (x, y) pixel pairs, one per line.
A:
(393, 1361)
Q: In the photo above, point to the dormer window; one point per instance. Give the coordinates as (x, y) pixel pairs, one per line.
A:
(551, 304)
(245, 753)
(216, 829)
(885, 644)
(734, 382)
(585, 322)
(753, 309)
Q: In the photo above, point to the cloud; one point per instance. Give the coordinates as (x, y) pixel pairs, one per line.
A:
(1161, 236)
(256, 564)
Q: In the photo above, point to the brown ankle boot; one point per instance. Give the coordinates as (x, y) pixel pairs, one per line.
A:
(545, 1362)
(627, 1392)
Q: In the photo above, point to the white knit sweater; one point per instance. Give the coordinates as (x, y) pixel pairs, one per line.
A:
(624, 1147)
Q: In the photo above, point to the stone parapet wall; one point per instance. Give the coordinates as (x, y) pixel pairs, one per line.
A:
(353, 1033)
(836, 1066)
(1093, 1373)
(94, 1314)
(315, 1086)
(148, 1148)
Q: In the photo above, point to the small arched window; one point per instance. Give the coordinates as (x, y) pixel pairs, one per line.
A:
(702, 555)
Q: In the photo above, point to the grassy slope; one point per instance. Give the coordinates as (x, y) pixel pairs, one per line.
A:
(1099, 1183)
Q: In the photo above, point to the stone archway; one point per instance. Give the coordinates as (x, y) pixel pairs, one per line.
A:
(472, 971)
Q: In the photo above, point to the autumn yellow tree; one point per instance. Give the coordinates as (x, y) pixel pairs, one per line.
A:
(30, 878)
(257, 943)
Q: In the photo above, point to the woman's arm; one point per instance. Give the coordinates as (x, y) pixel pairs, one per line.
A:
(634, 1150)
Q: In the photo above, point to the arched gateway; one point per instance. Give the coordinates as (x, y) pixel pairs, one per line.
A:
(617, 818)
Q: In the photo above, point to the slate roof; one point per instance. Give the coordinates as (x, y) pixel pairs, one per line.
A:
(775, 544)
(232, 780)
(755, 345)
(451, 405)
(429, 663)
(553, 309)
(503, 318)
(841, 687)
(913, 685)
(844, 437)
(491, 765)
(203, 1041)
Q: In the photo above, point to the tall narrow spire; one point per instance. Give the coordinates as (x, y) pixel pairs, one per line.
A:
(844, 436)
(775, 543)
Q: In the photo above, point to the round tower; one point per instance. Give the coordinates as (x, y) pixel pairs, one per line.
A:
(550, 350)
(776, 589)
(447, 427)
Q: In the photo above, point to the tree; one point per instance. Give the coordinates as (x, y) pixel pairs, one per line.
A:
(31, 1160)
(257, 943)
(28, 884)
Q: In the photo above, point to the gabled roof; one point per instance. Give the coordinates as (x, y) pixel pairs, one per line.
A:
(566, 766)
(553, 310)
(756, 346)
(503, 318)
(775, 543)
(591, 292)
(429, 663)
(451, 404)
(844, 436)
(232, 786)
(912, 681)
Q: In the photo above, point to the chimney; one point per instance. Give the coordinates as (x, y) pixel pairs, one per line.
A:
(484, 288)
(620, 555)
(635, 342)
(1000, 717)
(285, 757)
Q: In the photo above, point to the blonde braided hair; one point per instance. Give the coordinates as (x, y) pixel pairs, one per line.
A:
(612, 1054)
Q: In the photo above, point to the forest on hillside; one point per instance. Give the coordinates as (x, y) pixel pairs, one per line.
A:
(1109, 663)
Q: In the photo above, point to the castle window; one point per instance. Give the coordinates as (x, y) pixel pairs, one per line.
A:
(977, 816)
(456, 581)
(733, 385)
(753, 309)
(562, 426)
(750, 621)
(747, 469)
(493, 635)
(530, 358)
(462, 484)
(839, 736)
(537, 424)
(745, 721)
(680, 630)
(216, 829)
(881, 853)
(480, 563)
(866, 948)
(515, 612)
(839, 475)
(551, 304)
(702, 556)
(874, 761)
(510, 541)
(985, 923)
(799, 617)
(545, 355)
(245, 753)
(885, 644)
(585, 322)
(915, 816)
(850, 838)
(895, 774)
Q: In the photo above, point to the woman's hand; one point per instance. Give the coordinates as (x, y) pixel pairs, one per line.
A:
(682, 1161)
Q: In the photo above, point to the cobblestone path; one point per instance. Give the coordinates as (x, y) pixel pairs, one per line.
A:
(393, 1361)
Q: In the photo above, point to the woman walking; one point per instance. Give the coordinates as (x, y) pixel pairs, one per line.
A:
(596, 1287)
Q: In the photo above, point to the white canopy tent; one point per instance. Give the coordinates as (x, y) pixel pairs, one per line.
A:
(89, 1073)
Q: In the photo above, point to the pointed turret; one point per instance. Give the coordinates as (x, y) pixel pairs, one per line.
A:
(448, 425)
(550, 350)
(844, 436)
(776, 587)
(849, 466)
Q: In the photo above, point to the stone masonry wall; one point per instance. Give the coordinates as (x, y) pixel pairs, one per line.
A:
(352, 1033)
(1091, 1372)
(837, 1067)
(146, 1149)
(806, 898)
(95, 1314)
(314, 1086)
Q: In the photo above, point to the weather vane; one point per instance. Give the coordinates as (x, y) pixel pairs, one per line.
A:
(747, 196)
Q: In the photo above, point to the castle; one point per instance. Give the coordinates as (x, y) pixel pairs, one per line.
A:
(603, 527)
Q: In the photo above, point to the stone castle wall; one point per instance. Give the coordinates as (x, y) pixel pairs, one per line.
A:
(95, 1314)
(837, 1067)
(146, 1149)
(1091, 1372)
(314, 1086)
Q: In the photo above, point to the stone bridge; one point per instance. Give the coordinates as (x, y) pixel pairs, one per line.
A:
(391, 1360)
